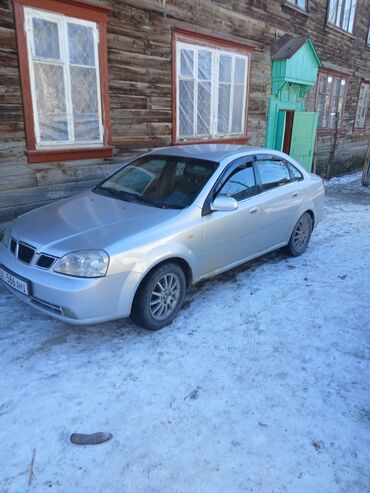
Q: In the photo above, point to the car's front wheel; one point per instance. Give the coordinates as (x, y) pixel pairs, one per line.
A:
(301, 235)
(159, 297)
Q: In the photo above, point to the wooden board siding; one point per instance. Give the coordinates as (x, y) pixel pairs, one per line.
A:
(139, 67)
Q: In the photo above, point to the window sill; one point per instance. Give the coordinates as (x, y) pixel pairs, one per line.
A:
(295, 8)
(338, 30)
(359, 131)
(226, 140)
(46, 156)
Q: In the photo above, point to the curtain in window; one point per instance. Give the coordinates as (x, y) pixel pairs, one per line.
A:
(64, 78)
(211, 95)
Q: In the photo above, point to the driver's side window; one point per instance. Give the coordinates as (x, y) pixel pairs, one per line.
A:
(240, 185)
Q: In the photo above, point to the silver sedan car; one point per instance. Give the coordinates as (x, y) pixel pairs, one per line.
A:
(133, 244)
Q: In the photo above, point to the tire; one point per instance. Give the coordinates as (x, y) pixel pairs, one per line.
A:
(301, 235)
(159, 297)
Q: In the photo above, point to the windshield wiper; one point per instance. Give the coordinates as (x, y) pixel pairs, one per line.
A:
(120, 194)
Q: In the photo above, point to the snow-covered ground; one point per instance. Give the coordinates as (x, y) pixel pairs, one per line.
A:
(261, 385)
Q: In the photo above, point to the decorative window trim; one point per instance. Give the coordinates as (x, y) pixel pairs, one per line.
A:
(207, 41)
(77, 9)
(351, 18)
(367, 105)
(328, 73)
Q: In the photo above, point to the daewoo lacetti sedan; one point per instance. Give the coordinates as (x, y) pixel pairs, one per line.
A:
(135, 242)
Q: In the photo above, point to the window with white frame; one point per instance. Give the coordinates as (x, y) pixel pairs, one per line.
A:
(211, 94)
(330, 100)
(342, 14)
(64, 75)
(362, 105)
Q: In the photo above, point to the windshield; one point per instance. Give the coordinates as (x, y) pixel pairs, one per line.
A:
(161, 181)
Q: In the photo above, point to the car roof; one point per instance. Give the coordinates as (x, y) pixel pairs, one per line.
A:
(211, 152)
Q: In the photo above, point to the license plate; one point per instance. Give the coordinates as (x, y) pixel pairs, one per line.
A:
(15, 282)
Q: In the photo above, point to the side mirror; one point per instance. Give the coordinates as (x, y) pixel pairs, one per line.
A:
(224, 204)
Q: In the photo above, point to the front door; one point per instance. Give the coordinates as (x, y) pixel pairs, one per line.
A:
(303, 137)
(230, 237)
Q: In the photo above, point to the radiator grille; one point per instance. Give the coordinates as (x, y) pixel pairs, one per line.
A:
(25, 252)
(45, 261)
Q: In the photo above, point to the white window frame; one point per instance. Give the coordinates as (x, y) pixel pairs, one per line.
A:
(61, 20)
(216, 53)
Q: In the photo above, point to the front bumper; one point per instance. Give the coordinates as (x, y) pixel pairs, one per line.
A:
(78, 301)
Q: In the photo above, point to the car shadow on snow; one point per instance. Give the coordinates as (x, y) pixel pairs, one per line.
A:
(48, 333)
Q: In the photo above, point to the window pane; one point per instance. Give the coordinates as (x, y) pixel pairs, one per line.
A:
(346, 14)
(320, 108)
(81, 44)
(85, 103)
(186, 63)
(46, 39)
(240, 185)
(223, 109)
(50, 102)
(334, 103)
(322, 82)
(352, 16)
(239, 71)
(301, 4)
(332, 11)
(238, 108)
(273, 174)
(204, 65)
(186, 108)
(368, 36)
(341, 97)
(326, 110)
(204, 108)
(339, 13)
(362, 105)
(225, 68)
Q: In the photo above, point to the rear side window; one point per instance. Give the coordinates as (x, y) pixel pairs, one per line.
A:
(240, 185)
(294, 172)
(273, 173)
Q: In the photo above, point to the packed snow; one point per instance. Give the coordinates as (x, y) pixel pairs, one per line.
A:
(261, 384)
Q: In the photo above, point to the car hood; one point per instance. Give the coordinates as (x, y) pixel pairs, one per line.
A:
(86, 221)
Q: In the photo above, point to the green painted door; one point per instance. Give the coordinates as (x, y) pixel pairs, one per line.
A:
(303, 137)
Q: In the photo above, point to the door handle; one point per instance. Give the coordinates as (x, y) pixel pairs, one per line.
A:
(295, 194)
(254, 210)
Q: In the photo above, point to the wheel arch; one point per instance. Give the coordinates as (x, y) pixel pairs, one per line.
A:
(181, 262)
(312, 214)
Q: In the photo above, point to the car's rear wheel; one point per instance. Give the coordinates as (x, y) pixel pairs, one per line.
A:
(301, 235)
(159, 297)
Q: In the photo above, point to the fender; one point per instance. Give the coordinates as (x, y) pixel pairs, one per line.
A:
(163, 252)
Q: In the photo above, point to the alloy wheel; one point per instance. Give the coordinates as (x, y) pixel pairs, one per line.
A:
(165, 296)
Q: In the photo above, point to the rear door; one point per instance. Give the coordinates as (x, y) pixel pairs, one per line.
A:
(281, 196)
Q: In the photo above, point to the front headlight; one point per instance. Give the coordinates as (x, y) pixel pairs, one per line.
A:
(87, 263)
(6, 236)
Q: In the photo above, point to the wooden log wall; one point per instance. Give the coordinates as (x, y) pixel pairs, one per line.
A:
(139, 61)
